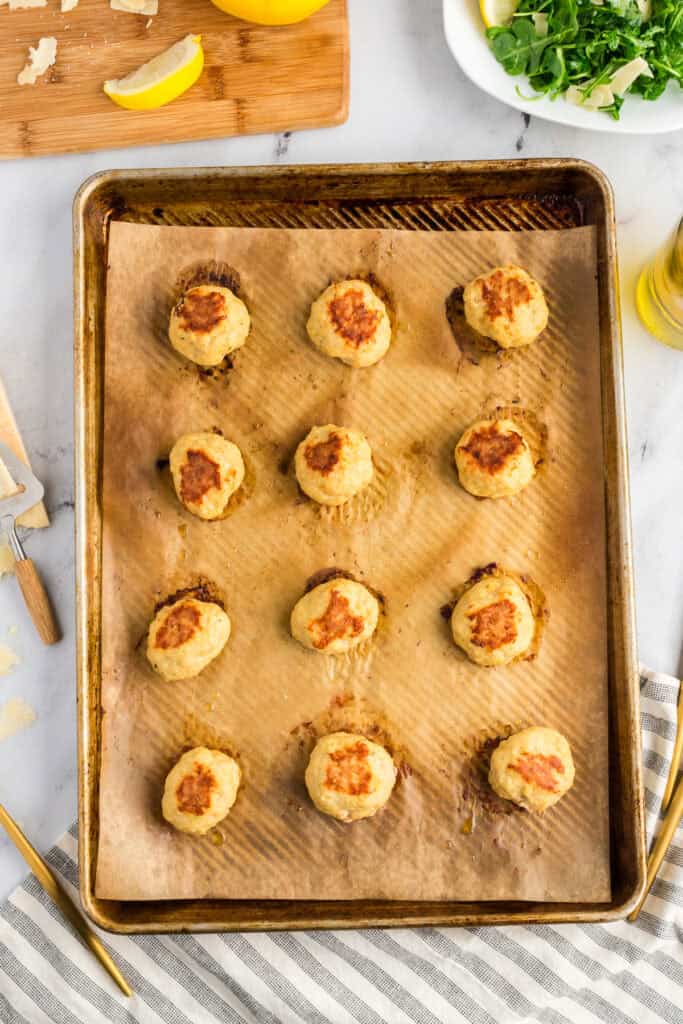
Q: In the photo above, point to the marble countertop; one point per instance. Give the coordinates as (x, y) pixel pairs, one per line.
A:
(409, 101)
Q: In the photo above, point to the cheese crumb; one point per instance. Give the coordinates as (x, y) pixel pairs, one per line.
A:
(7, 484)
(135, 6)
(8, 659)
(20, 5)
(15, 715)
(6, 560)
(68, 5)
(40, 59)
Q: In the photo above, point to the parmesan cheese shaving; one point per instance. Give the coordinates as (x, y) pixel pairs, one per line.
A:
(20, 5)
(6, 560)
(68, 5)
(15, 715)
(40, 58)
(7, 484)
(540, 21)
(8, 659)
(626, 75)
(601, 96)
(135, 6)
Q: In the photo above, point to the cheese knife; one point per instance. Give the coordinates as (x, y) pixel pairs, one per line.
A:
(28, 492)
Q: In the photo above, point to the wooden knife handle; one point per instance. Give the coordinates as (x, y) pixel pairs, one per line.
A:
(37, 601)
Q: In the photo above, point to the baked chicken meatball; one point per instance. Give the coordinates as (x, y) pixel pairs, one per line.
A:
(333, 464)
(494, 459)
(184, 637)
(493, 621)
(349, 777)
(206, 471)
(208, 323)
(350, 322)
(534, 768)
(200, 789)
(507, 305)
(335, 617)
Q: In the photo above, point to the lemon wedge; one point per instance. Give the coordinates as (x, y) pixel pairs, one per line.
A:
(497, 12)
(161, 79)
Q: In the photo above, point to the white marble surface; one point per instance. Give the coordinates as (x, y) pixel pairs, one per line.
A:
(409, 102)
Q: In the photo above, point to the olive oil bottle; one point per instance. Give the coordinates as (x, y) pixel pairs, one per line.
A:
(659, 293)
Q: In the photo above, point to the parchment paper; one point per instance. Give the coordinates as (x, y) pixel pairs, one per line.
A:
(414, 535)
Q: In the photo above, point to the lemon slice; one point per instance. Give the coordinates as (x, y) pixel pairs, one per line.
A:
(497, 12)
(161, 79)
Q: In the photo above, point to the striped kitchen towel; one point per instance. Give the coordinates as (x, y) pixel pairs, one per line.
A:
(617, 973)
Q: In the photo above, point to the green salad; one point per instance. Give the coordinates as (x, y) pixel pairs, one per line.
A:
(594, 51)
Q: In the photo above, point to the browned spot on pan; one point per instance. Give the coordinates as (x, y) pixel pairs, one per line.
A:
(203, 590)
(472, 345)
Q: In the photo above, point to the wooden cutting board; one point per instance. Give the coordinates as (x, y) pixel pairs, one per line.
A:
(256, 78)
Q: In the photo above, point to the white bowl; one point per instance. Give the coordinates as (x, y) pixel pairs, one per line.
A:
(466, 37)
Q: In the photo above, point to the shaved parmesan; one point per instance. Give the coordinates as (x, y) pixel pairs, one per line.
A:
(20, 5)
(15, 715)
(602, 96)
(540, 21)
(6, 560)
(7, 484)
(645, 8)
(40, 59)
(68, 5)
(8, 659)
(135, 6)
(625, 77)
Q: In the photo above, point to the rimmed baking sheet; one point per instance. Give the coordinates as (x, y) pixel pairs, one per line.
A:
(440, 197)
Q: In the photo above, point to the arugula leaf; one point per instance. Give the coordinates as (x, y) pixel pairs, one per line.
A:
(586, 44)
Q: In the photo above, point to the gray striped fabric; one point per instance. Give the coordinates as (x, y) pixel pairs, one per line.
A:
(620, 973)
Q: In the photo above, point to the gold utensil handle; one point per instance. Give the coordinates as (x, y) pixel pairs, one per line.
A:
(49, 882)
(663, 841)
(678, 750)
(37, 601)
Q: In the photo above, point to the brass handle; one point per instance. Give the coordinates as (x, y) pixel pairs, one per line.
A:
(676, 758)
(669, 825)
(49, 882)
(37, 601)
